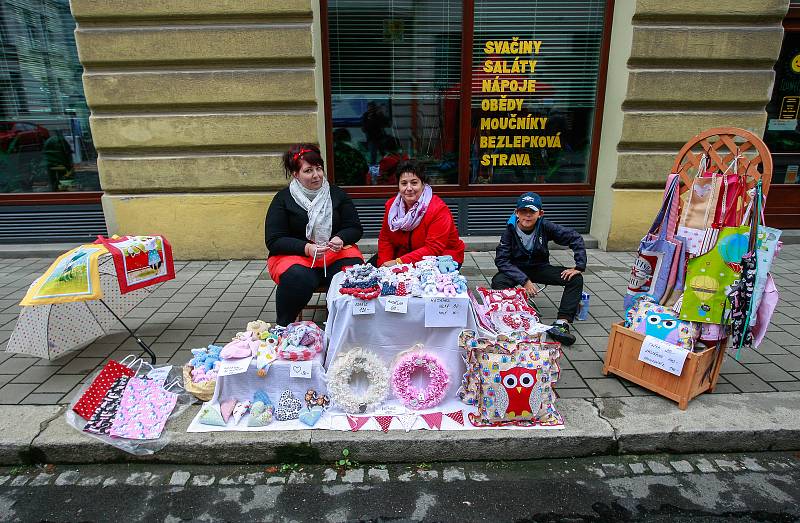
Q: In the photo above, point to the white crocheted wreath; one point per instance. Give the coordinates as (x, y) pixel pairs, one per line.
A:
(353, 362)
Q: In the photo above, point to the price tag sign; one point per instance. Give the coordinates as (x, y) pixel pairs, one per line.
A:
(446, 312)
(361, 307)
(160, 374)
(397, 304)
(300, 369)
(663, 355)
(231, 367)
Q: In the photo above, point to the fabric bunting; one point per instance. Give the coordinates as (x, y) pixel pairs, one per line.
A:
(433, 419)
(407, 421)
(384, 422)
(356, 422)
(456, 416)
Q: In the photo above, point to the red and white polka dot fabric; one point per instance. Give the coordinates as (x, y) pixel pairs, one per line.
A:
(90, 400)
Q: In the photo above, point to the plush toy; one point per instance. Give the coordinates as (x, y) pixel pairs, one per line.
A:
(460, 283)
(444, 284)
(446, 264)
(244, 345)
(257, 327)
(206, 358)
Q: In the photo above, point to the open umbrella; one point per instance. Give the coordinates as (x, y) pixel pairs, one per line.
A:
(75, 302)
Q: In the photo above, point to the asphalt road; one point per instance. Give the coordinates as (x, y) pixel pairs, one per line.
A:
(756, 487)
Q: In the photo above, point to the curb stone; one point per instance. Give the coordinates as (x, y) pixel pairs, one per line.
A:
(602, 426)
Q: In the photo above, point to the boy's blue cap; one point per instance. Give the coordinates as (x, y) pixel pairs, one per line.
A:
(530, 200)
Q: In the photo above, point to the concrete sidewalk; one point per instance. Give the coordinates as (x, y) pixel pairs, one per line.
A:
(210, 301)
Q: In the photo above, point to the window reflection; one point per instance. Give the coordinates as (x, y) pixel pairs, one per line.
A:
(45, 142)
(395, 72)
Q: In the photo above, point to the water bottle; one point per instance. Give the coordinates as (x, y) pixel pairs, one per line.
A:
(583, 308)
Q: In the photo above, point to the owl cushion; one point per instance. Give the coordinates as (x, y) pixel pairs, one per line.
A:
(473, 346)
(652, 319)
(517, 387)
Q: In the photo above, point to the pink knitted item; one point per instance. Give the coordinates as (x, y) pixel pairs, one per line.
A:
(301, 340)
(411, 396)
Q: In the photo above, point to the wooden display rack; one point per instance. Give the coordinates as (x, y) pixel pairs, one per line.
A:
(721, 144)
(622, 359)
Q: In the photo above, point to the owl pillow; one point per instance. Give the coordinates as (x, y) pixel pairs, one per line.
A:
(473, 346)
(517, 388)
(652, 319)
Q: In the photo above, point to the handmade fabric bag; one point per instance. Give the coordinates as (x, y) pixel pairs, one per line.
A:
(143, 410)
(517, 387)
(472, 346)
(653, 267)
(712, 276)
(765, 309)
(741, 298)
(103, 417)
(698, 212)
(87, 404)
(731, 203)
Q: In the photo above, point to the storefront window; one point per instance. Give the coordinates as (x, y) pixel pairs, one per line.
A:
(45, 142)
(534, 84)
(395, 68)
(782, 135)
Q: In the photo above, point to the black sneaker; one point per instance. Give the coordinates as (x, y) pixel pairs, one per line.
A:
(560, 332)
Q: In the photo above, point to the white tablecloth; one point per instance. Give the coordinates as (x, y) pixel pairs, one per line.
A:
(243, 386)
(388, 334)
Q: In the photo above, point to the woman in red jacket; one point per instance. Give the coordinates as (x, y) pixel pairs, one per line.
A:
(417, 223)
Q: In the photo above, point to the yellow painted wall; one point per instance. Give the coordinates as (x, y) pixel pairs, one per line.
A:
(217, 226)
(669, 78)
(192, 105)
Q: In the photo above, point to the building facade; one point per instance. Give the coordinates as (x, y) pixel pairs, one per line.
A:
(586, 102)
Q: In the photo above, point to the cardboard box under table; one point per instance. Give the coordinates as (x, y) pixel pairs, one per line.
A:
(700, 371)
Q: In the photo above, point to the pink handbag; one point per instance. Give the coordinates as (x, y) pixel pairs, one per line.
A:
(765, 309)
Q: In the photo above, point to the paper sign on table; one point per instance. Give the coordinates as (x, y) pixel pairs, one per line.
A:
(446, 312)
(160, 374)
(397, 304)
(663, 355)
(363, 307)
(231, 367)
(301, 369)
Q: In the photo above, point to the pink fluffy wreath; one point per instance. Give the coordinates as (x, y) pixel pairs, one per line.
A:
(411, 396)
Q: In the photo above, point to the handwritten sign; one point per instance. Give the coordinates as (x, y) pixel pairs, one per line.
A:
(446, 312)
(397, 304)
(361, 307)
(663, 355)
(300, 369)
(231, 367)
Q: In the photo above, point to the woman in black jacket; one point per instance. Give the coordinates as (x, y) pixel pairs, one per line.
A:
(311, 230)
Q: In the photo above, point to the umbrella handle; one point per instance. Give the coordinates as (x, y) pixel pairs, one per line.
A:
(142, 344)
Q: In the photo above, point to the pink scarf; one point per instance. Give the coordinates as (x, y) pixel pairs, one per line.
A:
(399, 219)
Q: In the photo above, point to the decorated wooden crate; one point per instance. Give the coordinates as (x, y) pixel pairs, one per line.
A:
(700, 371)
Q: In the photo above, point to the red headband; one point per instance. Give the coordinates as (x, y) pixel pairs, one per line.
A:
(300, 153)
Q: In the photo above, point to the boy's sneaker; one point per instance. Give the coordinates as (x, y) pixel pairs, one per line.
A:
(560, 332)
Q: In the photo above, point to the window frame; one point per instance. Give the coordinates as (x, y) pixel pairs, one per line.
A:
(463, 187)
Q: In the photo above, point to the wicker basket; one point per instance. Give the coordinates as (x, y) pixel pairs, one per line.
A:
(203, 390)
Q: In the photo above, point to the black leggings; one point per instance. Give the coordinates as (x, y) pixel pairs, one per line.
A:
(298, 284)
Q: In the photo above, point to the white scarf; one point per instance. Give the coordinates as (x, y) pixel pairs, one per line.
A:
(319, 207)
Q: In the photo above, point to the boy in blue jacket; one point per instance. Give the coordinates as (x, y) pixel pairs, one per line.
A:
(524, 259)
